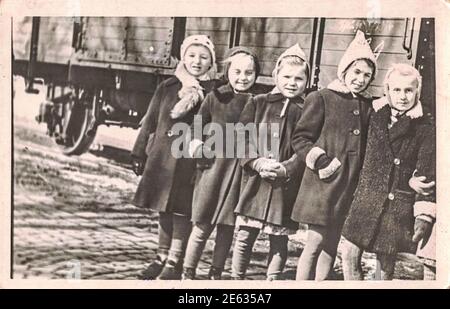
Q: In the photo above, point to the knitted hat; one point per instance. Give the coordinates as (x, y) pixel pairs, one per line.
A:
(358, 49)
(239, 50)
(199, 39)
(296, 51)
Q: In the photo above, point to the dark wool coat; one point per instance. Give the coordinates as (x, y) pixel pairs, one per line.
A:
(216, 192)
(266, 200)
(381, 217)
(167, 182)
(337, 123)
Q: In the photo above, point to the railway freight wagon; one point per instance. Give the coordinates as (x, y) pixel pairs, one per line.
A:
(104, 70)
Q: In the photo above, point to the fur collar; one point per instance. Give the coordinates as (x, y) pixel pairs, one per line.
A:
(415, 112)
(338, 86)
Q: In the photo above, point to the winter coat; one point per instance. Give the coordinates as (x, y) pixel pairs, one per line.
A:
(167, 182)
(334, 122)
(267, 200)
(216, 191)
(381, 217)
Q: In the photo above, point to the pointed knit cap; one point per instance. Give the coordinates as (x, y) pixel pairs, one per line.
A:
(200, 39)
(359, 48)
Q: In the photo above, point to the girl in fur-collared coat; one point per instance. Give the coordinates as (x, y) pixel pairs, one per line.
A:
(216, 192)
(167, 182)
(271, 177)
(330, 137)
(386, 215)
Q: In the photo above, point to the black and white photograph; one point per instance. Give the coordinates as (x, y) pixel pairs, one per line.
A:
(194, 145)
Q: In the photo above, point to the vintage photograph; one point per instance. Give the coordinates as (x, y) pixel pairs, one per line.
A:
(199, 148)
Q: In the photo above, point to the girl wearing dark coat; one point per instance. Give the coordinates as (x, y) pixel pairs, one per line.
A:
(271, 177)
(387, 216)
(330, 138)
(168, 178)
(216, 192)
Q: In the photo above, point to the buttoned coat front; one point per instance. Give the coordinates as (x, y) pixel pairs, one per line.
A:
(335, 122)
(168, 180)
(262, 199)
(381, 218)
(217, 188)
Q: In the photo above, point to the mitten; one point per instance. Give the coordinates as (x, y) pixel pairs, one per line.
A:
(138, 166)
(322, 162)
(422, 229)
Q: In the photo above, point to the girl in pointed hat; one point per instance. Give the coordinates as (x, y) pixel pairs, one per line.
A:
(387, 216)
(271, 177)
(167, 184)
(330, 138)
(217, 186)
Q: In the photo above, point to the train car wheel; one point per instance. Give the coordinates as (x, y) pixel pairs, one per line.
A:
(79, 134)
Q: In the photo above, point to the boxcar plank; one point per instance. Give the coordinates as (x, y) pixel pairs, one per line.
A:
(98, 44)
(278, 25)
(217, 37)
(388, 27)
(341, 42)
(106, 21)
(279, 40)
(105, 32)
(150, 34)
(208, 23)
(151, 22)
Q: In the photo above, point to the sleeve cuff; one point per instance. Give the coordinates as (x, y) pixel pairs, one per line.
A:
(330, 169)
(425, 208)
(193, 145)
(312, 156)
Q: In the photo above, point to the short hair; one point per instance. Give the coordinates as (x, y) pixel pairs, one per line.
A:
(404, 70)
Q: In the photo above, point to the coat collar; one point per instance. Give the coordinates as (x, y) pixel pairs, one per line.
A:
(340, 87)
(399, 129)
(275, 96)
(413, 113)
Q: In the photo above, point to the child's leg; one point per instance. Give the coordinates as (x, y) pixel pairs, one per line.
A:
(243, 246)
(165, 231)
(351, 261)
(385, 266)
(181, 230)
(307, 262)
(196, 244)
(277, 256)
(164, 241)
(224, 239)
(328, 255)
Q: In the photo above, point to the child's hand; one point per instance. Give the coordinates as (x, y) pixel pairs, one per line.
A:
(422, 229)
(204, 156)
(419, 185)
(138, 166)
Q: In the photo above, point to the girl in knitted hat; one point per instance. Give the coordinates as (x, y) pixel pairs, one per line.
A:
(386, 215)
(330, 138)
(217, 188)
(271, 177)
(167, 180)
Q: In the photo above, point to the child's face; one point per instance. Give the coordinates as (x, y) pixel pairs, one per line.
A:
(291, 80)
(402, 91)
(241, 73)
(197, 60)
(358, 76)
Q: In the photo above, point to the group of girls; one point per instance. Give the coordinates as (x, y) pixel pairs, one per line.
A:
(343, 163)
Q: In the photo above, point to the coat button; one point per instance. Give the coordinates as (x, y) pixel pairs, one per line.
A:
(397, 161)
(356, 132)
(169, 133)
(356, 112)
(391, 196)
(275, 134)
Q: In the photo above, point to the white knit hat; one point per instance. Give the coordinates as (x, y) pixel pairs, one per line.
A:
(296, 51)
(359, 48)
(199, 39)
